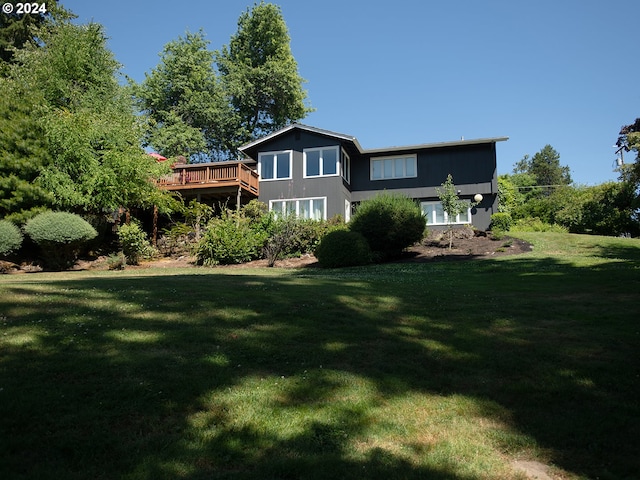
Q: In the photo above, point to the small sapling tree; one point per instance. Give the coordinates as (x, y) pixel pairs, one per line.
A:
(451, 204)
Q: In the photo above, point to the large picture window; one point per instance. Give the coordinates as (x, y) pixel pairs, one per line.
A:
(435, 214)
(274, 165)
(393, 167)
(308, 208)
(320, 162)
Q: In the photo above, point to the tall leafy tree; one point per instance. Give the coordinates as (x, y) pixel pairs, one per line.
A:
(629, 140)
(92, 139)
(186, 110)
(260, 75)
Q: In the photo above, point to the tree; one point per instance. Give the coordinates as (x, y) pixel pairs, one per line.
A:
(17, 30)
(186, 110)
(92, 137)
(629, 140)
(22, 154)
(545, 168)
(509, 198)
(451, 204)
(260, 75)
(629, 137)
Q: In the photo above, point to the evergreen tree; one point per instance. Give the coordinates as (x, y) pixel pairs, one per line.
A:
(22, 154)
(17, 30)
(545, 168)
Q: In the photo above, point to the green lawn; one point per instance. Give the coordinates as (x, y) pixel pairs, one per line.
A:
(448, 370)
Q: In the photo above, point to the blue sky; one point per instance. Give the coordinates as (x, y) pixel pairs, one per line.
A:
(557, 72)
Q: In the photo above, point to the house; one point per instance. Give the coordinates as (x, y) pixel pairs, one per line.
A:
(318, 174)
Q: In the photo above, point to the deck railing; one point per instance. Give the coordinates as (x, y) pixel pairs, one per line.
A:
(211, 175)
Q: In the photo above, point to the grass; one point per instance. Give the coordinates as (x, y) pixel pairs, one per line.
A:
(446, 370)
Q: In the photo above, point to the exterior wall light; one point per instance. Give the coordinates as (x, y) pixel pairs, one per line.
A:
(477, 198)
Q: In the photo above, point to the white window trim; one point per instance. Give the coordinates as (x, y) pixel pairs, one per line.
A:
(394, 157)
(430, 216)
(345, 166)
(274, 155)
(298, 200)
(316, 149)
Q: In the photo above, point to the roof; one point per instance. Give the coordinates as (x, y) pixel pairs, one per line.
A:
(424, 146)
(354, 141)
(299, 126)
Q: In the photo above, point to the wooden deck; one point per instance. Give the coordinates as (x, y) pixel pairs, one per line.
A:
(219, 180)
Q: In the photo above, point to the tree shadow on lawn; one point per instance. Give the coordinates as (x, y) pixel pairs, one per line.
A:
(167, 384)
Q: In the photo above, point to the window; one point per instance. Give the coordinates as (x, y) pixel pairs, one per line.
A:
(320, 162)
(310, 208)
(345, 166)
(393, 167)
(436, 215)
(274, 165)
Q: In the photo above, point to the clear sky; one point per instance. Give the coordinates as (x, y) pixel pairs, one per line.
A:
(404, 72)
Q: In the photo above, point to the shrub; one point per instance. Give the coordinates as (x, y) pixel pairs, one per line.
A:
(116, 261)
(228, 240)
(343, 248)
(10, 237)
(255, 209)
(134, 242)
(389, 223)
(60, 235)
(283, 232)
(306, 235)
(534, 224)
(179, 239)
(501, 222)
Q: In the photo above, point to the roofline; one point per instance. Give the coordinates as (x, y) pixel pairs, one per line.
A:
(354, 140)
(425, 146)
(306, 128)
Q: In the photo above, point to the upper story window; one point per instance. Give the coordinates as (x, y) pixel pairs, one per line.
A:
(320, 162)
(345, 166)
(274, 165)
(393, 167)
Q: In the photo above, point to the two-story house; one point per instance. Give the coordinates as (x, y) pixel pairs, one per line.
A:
(316, 173)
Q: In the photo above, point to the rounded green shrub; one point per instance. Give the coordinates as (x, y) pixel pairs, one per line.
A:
(134, 242)
(501, 222)
(343, 248)
(60, 235)
(10, 237)
(389, 223)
